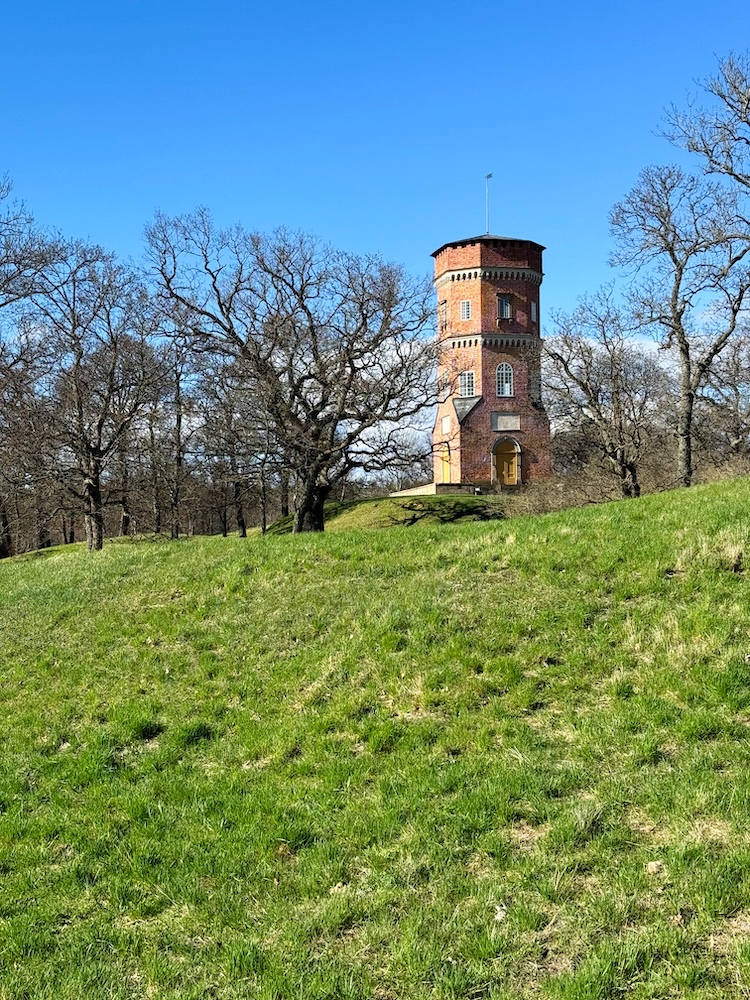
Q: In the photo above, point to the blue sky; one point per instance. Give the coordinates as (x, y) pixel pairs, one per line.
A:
(370, 125)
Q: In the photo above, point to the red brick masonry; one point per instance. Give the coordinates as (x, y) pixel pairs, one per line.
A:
(479, 270)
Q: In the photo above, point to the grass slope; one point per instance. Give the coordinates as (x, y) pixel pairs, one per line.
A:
(391, 512)
(505, 759)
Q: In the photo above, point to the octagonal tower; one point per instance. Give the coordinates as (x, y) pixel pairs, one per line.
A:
(491, 428)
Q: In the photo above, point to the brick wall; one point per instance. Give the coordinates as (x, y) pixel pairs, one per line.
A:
(479, 344)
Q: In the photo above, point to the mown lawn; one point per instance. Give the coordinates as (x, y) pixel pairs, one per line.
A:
(504, 759)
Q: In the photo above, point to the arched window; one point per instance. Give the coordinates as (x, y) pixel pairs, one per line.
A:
(504, 379)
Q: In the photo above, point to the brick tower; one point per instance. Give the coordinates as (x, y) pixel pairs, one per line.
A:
(491, 428)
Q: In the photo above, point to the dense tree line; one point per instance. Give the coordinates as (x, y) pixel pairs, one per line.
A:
(239, 377)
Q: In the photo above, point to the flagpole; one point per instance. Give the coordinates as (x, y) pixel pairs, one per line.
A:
(487, 202)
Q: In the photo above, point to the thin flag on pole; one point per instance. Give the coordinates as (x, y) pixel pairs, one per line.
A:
(487, 202)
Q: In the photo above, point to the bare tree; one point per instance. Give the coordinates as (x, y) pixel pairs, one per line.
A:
(724, 404)
(28, 477)
(720, 132)
(685, 240)
(599, 381)
(25, 251)
(232, 443)
(334, 348)
(96, 322)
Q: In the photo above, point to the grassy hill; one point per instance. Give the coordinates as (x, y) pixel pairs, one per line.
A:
(391, 512)
(488, 760)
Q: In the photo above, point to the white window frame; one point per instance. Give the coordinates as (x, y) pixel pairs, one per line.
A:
(465, 309)
(505, 380)
(504, 307)
(443, 315)
(466, 384)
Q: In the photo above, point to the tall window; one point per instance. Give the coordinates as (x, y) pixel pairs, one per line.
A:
(503, 307)
(465, 308)
(466, 384)
(533, 312)
(504, 379)
(443, 315)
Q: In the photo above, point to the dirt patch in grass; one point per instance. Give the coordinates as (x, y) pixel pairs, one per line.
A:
(642, 825)
(524, 837)
(734, 931)
(716, 831)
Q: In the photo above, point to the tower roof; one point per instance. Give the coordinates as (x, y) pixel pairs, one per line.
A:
(486, 238)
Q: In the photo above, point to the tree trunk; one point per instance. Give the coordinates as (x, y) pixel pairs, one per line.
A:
(94, 512)
(178, 461)
(155, 483)
(125, 494)
(224, 512)
(309, 515)
(6, 547)
(685, 425)
(239, 510)
(43, 540)
(629, 484)
(263, 501)
(635, 486)
(628, 473)
(284, 492)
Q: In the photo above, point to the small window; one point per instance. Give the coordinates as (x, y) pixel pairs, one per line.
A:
(504, 379)
(503, 307)
(466, 384)
(443, 315)
(466, 309)
(533, 312)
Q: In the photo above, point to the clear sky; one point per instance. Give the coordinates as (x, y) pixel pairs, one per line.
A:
(371, 125)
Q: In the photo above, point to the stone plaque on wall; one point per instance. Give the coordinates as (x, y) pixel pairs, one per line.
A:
(506, 422)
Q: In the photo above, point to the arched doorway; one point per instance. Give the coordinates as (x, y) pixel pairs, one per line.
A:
(506, 462)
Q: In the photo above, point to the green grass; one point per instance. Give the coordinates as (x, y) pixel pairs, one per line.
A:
(503, 759)
(391, 512)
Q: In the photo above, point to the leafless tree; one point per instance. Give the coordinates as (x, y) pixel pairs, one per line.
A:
(600, 381)
(25, 250)
(28, 481)
(335, 348)
(684, 240)
(719, 133)
(230, 444)
(96, 322)
(724, 405)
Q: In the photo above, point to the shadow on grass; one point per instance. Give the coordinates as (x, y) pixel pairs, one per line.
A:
(406, 511)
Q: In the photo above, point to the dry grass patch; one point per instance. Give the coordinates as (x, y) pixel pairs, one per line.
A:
(525, 837)
(642, 824)
(727, 937)
(726, 550)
